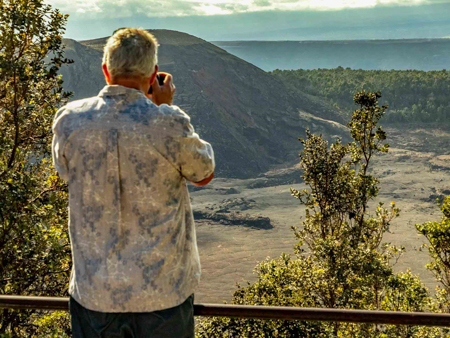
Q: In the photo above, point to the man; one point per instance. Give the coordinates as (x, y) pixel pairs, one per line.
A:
(127, 159)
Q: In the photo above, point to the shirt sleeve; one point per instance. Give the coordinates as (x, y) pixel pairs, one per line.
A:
(58, 145)
(196, 157)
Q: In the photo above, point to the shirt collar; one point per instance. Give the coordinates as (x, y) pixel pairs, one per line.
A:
(113, 90)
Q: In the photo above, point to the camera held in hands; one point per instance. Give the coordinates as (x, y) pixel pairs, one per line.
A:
(160, 78)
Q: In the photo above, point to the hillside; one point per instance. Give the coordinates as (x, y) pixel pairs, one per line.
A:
(84, 77)
(248, 115)
(420, 54)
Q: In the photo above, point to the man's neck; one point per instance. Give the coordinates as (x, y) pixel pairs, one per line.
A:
(129, 83)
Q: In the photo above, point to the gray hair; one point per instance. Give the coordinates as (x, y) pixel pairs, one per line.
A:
(131, 52)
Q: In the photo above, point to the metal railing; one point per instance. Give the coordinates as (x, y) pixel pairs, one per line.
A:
(261, 312)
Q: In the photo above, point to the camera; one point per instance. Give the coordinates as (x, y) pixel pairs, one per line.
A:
(160, 79)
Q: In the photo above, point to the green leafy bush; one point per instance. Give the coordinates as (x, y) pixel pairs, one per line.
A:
(438, 237)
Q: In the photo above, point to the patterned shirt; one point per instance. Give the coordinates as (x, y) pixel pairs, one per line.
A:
(131, 226)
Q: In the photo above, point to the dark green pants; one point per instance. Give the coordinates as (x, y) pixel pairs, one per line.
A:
(174, 322)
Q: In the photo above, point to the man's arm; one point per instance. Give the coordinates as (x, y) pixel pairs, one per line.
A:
(195, 157)
(58, 144)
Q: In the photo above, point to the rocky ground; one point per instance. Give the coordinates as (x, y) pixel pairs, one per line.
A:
(410, 176)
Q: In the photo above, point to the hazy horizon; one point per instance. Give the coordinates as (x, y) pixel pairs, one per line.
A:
(354, 20)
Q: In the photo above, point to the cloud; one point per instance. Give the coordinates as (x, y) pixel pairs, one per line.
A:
(101, 9)
(90, 9)
(262, 3)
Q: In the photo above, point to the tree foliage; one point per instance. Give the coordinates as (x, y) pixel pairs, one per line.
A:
(340, 260)
(412, 95)
(438, 236)
(34, 245)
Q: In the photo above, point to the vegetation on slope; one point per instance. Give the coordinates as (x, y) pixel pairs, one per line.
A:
(412, 95)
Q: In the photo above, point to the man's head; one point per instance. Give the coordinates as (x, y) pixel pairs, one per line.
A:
(130, 57)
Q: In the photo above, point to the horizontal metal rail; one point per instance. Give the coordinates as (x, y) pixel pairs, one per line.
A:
(261, 312)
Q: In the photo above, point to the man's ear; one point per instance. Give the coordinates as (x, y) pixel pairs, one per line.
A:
(106, 73)
(153, 77)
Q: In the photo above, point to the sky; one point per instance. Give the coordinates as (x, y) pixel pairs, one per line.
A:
(216, 20)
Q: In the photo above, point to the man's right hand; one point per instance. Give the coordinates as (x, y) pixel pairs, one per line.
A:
(163, 94)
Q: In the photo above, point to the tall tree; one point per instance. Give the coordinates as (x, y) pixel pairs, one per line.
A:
(34, 246)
